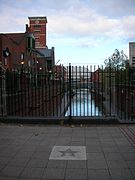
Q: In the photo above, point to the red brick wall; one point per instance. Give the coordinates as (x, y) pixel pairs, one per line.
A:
(40, 37)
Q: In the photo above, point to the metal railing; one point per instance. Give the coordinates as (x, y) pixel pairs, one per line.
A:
(2, 93)
(85, 92)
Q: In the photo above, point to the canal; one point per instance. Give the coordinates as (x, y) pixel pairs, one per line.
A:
(83, 104)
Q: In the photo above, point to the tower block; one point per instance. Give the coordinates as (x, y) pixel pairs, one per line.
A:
(37, 26)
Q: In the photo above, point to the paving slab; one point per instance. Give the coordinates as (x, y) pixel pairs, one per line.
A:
(92, 152)
(99, 174)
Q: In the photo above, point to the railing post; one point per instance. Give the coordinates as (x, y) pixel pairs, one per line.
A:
(70, 96)
(3, 111)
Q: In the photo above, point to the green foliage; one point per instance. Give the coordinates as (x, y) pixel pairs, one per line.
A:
(118, 60)
(118, 66)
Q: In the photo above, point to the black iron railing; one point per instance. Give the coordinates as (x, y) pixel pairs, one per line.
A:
(67, 92)
(2, 93)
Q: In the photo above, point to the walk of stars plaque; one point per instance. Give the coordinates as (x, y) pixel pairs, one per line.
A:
(68, 153)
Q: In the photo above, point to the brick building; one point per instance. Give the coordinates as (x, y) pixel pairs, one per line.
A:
(28, 48)
(17, 49)
(60, 73)
(37, 26)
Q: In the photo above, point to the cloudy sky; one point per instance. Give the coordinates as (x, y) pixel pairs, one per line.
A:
(82, 31)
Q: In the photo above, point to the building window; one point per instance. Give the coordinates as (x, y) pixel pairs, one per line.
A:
(36, 31)
(30, 43)
(22, 56)
(37, 26)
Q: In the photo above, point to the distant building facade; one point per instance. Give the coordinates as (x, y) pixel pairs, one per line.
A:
(132, 54)
(79, 74)
(48, 57)
(60, 73)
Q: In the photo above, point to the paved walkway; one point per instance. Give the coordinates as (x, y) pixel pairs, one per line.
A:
(94, 152)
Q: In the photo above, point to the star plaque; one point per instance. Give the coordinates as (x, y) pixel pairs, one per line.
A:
(68, 153)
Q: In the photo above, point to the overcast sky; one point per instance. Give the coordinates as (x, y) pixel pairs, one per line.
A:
(82, 31)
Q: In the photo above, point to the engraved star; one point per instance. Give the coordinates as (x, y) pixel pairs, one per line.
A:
(68, 152)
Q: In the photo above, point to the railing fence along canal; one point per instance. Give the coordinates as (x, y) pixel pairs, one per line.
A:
(67, 93)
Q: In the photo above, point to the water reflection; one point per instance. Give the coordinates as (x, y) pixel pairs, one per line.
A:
(83, 104)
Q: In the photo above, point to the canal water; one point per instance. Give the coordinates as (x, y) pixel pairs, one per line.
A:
(83, 104)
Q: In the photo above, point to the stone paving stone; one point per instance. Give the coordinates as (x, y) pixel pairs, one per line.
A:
(63, 141)
(9, 178)
(27, 147)
(11, 171)
(93, 149)
(37, 163)
(117, 164)
(33, 142)
(21, 161)
(7, 152)
(50, 141)
(78, 135)
(44, 148)
(57, 164)
(23, 154)
(2, 166)
(6, 141)
(41, 155)
(113, 149)
(77, 164)
(77, 143)
(98, 175)
(11, 146)
(131, 164)
(97, 164)
(76, 174)
(21, 178)
(113, 156)
(122, 141)
(133, 171)
(80, 139)
(53, 173)
(91, 141)
(107, 142)
(95, 156)
(93, 135)
(126, 149)
(51, 179)
(115, 160)
(32, 172)
(4, 160)
(121, 174)
(96, 161)
(129, 156)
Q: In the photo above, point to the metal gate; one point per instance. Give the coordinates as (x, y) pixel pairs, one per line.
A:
(68, 93)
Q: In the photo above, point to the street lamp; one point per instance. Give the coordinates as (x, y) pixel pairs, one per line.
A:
(22, 63)
(22, 58)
